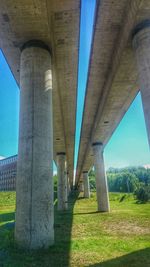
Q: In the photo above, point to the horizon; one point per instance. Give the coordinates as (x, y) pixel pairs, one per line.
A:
(147, 166)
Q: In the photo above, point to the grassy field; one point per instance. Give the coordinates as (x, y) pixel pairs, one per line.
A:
(83, 236)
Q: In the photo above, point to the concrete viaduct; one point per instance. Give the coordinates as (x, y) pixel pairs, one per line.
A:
(119, 67)
(40, 40)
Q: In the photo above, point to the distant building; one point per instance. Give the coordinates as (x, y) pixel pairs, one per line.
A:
(8, 172)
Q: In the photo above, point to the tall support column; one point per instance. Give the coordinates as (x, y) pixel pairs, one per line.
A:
(62, 192)
(81, 186)
(68, 184)
(86, 185)
(141, 45)
(66, 187)
(34, 184)
(101, 179)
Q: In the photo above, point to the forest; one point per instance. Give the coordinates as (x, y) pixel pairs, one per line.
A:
(127, 180)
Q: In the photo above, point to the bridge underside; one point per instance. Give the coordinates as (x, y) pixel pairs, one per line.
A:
(56, 23)
(40, 40)
(112, 79)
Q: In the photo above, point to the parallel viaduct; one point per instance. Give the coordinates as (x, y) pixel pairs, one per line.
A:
(40, 40)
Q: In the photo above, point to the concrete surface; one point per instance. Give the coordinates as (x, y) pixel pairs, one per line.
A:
(112, 78)
(141, 45)
(34, 227)
(56, 23)
(101, 179)
(62, 189)
(86, 185)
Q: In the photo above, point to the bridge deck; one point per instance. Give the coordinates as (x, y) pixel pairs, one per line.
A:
(112, 79)
(57, 24)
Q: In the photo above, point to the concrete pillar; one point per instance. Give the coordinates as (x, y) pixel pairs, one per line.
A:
(86, 185)
(68, 184)
(141, 45)
(62, 192)
(101, 179)
(34, 185)
(81, 186)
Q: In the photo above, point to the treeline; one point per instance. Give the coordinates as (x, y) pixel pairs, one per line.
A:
(128, 180)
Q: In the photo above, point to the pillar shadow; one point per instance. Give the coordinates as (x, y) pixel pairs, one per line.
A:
(58, 255)
(140, 258)
(5, 217)
(80, 198)
(86, 213)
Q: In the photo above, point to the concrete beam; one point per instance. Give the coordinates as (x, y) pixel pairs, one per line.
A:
(141, 45)
(34, 185)
(57, 24)
(112, 75)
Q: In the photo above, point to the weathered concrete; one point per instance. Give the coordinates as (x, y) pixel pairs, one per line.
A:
(68, 184)
(57, 24)
(81, 186)
(86, 185)
(141, 44)
(62, 192)
(101, 179)
(34, 186)
(112, 74)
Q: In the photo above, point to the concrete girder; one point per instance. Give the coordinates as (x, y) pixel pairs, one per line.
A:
(56, 23)
(113, 78)
(141, 45)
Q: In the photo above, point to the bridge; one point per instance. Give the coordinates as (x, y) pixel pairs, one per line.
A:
(40, 40)
(119, 52)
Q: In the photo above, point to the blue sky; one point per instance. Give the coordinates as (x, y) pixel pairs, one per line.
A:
(129, 143)
(9, 110)
(86, 27)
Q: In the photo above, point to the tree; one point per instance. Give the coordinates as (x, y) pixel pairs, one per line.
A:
(143, 193)
(126, 179)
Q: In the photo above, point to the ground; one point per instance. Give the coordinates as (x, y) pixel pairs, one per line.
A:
(83, 236)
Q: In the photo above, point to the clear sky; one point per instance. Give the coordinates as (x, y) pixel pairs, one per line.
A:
(9, 110)
(128, 145)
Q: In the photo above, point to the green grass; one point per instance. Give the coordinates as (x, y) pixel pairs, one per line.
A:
(84, 237)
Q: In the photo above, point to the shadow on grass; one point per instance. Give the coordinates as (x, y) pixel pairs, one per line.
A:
(5, 217)
(81, 198)
(58, 255)
(140, 258)
(86, 213)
